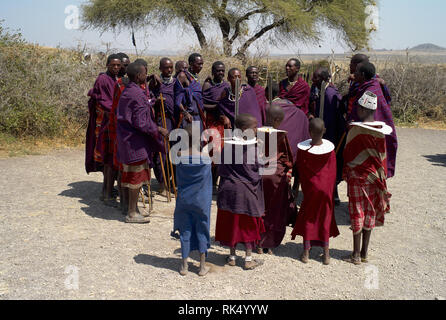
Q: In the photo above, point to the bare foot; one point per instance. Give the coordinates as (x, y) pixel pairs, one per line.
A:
(204, 270)
(270, 252)
(251, 265)
(305, 256)
(326, 259)
(184, 269)
(259, 250)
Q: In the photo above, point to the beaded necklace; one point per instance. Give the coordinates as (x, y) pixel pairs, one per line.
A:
(232, 95)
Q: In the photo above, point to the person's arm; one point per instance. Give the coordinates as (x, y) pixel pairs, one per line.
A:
(103, 94)
(224, 119)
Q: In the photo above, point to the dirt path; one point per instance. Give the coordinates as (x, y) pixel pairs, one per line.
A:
(52, 224)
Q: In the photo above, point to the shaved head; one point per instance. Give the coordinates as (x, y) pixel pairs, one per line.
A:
(245, 121)
(164, 61)
(274, 116)
(317, 127)
(357, 59)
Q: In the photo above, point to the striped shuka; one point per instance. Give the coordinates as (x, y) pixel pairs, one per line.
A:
(365, 170)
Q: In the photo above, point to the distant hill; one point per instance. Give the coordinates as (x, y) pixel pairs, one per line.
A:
(427, 47)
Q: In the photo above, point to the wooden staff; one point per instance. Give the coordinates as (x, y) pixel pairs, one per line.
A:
(169, 160)
(164, 177)
(340, 142)
(237, 97)
(142, 197)
(270, 91)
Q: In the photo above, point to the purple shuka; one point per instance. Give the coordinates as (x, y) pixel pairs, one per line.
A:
(167, 89)
(248, 104)
(383, 113)
(191, 98)
(212, 94)
(295, 123)
(261, 100)
(334, 122)
(241, 190)
(101, 95)
(137, 132)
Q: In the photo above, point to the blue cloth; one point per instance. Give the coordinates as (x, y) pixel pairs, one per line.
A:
(192, 215)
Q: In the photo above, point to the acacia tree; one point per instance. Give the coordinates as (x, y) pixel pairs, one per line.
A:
(241, 22)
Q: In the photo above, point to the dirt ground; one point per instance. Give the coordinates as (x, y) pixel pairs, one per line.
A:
(55, 230)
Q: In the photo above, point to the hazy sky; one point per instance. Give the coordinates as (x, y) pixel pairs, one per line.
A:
(402, 24)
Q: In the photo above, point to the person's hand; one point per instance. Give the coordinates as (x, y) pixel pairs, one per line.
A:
(188, 117)
(226, 122)
(163, 132)
(310, 116)
(351, 77)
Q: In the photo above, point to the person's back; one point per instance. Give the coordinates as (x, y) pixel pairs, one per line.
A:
(193, 205)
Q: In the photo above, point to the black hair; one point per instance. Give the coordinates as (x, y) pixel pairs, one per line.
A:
(217, 64)
(325, 74)
(113, 57)
(296, 61)
(249, 69)
(133, 70)
(317, 126)
(231, 71)
(244, 120)
(164, 60)
(367, 69)
(193, 57)
(122, 56)
(141, 62)
(360, 58)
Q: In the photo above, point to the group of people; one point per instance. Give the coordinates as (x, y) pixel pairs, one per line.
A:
(355, 140)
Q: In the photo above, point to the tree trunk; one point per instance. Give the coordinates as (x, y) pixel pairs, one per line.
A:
(200, 35)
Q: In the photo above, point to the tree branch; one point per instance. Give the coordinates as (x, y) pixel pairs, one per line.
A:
(197, 28)
(241, 20)
(241, 52)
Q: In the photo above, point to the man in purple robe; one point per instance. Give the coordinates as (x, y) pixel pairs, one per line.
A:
(295, 122)
(252, 74)
(294, 88)
(99, 153)
(247, 104)
(163, 84)
(365, 77)
(333, 116)
(138, 138)
(189, 94)
(213, 88)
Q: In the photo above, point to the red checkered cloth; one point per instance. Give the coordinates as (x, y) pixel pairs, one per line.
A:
(367, 204)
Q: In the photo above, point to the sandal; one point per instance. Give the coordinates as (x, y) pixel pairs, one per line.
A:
(352, 259)
(251, 265)
(137, 219)
(230, 262)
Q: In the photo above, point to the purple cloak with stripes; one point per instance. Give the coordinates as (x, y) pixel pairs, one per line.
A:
(383, 113)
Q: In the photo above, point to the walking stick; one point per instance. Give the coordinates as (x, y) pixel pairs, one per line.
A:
(340, 142)
(142, 197)
(149, 191)
(169, 160)
(164, 177)
(237, 97)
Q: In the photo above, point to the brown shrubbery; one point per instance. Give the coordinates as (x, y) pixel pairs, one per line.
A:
(43, 92)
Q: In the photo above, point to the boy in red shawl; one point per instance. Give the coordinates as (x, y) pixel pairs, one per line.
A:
(365, 170)
(240, 199)
(294, 88)
(316, 168)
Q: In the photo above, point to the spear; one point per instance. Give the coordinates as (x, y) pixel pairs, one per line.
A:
(237, 97)
(270, 91)
(169, 160)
